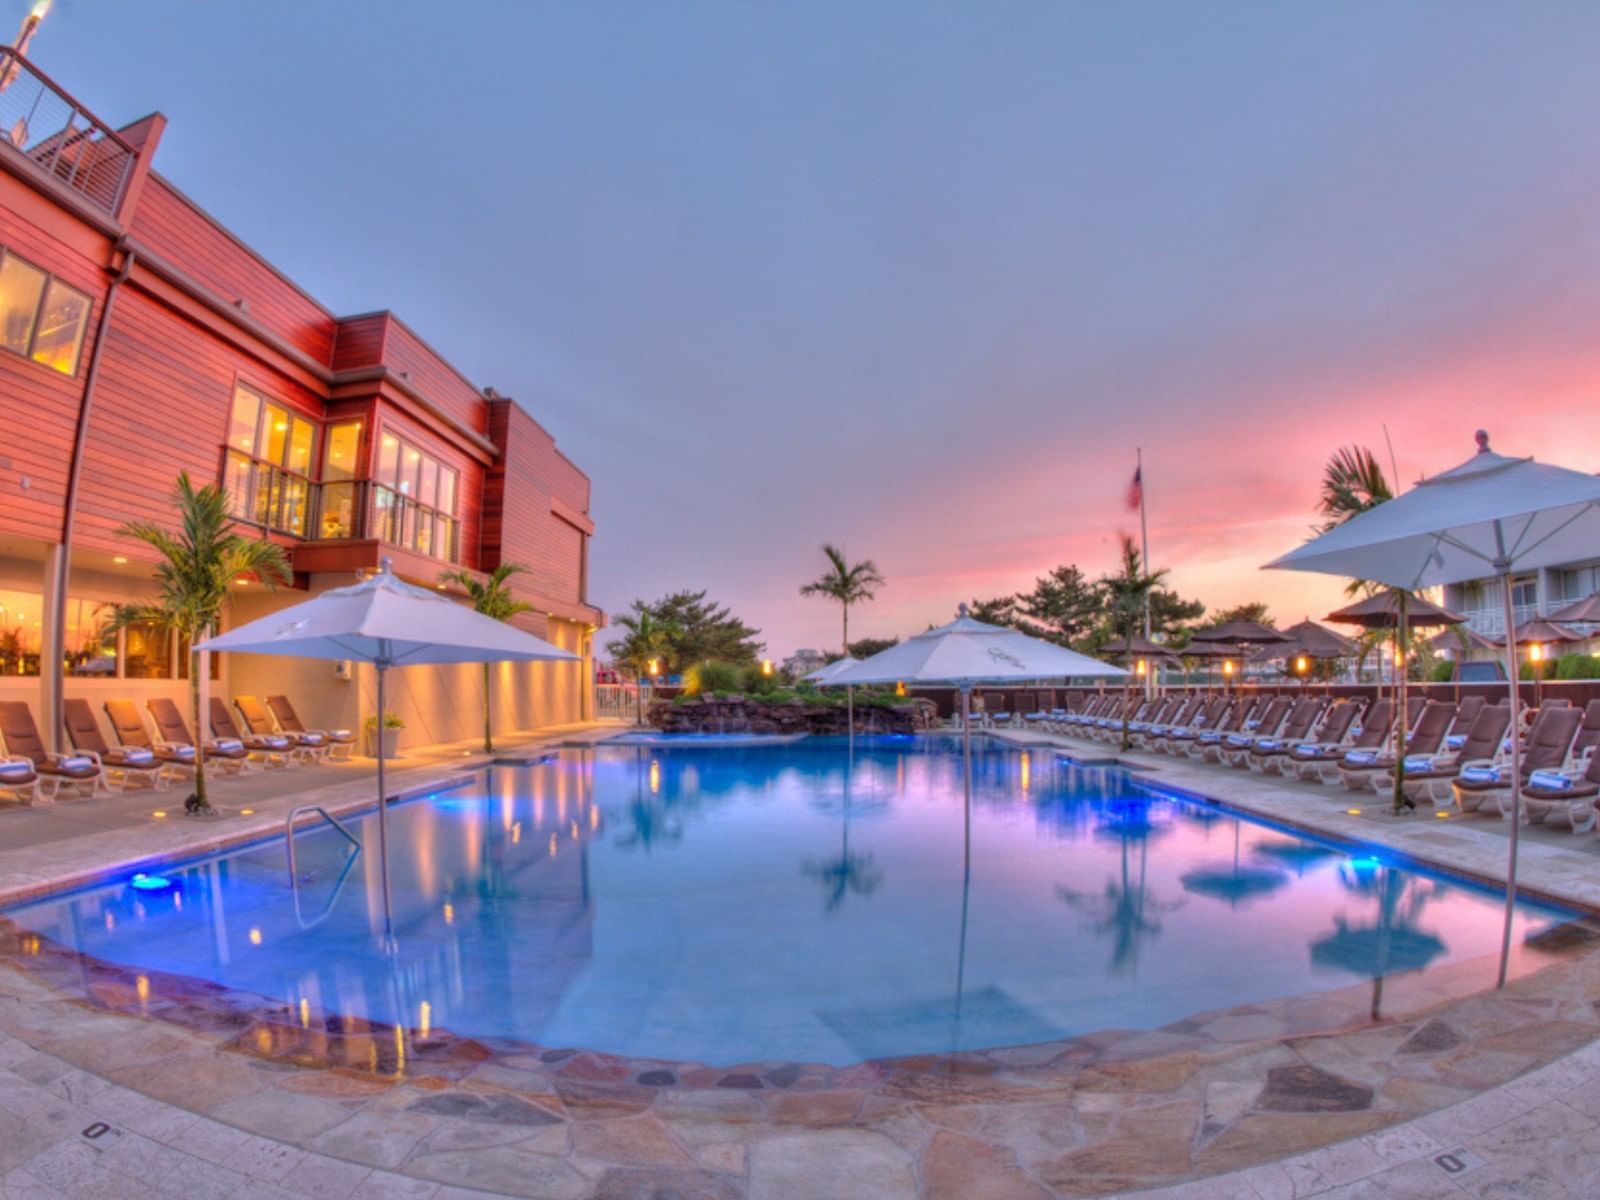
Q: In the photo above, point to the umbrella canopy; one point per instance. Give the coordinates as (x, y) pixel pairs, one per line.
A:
(826, 672)
(387, 623)
(966, 652)
(1490, 515)
(1242, 633)
(1310, 640)
(1451, 639)
(1543, 632)
(1139, 647)
(384, 620)
(1585, 611)
(1207, 650)
(1382, 611)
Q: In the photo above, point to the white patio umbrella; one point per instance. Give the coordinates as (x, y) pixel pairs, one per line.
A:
(825, 674)
(388, 623)
(1490, 515)
(967, 652)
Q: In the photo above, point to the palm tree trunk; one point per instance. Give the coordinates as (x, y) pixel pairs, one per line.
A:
(198, 802)
(1127, 688)
(488, 714)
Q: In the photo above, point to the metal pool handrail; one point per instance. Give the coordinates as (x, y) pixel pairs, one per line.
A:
(288, 834)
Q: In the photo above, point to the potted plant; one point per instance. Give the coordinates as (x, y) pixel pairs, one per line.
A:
(390, 740)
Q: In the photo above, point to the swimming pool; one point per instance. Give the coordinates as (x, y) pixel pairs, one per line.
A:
(807, 902)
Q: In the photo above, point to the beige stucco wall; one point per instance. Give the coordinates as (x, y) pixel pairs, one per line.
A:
(437, 703)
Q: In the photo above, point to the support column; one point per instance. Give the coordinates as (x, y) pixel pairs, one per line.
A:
(52, 647)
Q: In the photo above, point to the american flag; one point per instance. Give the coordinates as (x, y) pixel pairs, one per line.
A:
(1136, 490)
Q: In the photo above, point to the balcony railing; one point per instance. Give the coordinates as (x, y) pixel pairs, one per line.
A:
(62, 138)
(264, 494)
(1491, 622)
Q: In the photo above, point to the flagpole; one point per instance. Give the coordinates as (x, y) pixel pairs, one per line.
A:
(1144, 550)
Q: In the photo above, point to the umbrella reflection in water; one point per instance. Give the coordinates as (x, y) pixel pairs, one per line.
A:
(1393, 943)
(1234, 883)
(1126, 909)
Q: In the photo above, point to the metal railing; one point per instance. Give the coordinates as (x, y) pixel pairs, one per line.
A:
(1491, 621)
(263, 493)
(40, 121)
(288, 832)
(616, 701)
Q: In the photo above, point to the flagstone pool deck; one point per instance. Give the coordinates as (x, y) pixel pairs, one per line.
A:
(180, 1088)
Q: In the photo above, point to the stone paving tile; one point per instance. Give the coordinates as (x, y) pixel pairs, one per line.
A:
(324, 1178)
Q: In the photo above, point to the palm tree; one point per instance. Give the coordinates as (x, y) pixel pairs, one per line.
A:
(199, 562)
(646, 639)
(492, 598)
(1354, 483)
(848, 583)
(1126, 593)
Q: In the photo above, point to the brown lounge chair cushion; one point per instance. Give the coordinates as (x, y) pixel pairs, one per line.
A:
(85, 735)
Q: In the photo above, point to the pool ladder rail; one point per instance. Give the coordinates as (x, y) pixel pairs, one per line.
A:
(294, 872)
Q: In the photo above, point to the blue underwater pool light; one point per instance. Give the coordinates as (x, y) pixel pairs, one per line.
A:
(151, 883)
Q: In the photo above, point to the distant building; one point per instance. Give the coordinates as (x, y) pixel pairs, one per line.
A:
(1533, 594)
(803, 662)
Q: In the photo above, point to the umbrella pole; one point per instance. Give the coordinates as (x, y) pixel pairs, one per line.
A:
(1516, 766)
(383, 819)
(966, 777)
(1402, 645)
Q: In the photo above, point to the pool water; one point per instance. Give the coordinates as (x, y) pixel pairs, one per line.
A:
(808, 902)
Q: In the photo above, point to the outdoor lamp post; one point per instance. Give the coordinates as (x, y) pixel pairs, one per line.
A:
(1536, 663)
(1227, 673)
(766, 667)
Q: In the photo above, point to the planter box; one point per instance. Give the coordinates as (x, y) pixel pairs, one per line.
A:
(390, 743)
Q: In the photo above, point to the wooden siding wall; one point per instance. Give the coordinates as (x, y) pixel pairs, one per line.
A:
(360, 342)
(170, 225)
(518, 524)
(162, 406)
(38, 405)
(407, 354)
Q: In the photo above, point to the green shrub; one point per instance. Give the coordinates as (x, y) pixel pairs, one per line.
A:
(1578, 666)
(712, 678)
(1443, 671)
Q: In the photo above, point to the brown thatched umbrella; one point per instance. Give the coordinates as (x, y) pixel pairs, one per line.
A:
(1536, 634)
(1243, 636)
(1540, 631)
(1461, 637)
(1585, 611)
(1383, 611)
(1401, 611)
(1308, 641)
(1140, 647)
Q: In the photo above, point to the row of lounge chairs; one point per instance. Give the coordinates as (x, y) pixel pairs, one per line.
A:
(153, 755)
(1454, 752)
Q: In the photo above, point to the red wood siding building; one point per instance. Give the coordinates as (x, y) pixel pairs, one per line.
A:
(140, 338)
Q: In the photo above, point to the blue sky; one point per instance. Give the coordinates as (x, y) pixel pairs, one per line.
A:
(919, 278)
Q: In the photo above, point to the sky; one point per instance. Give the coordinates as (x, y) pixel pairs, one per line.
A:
(919, 278)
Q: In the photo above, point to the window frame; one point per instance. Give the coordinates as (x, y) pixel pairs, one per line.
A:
(51, 279)
(247, 486)
(400, 517)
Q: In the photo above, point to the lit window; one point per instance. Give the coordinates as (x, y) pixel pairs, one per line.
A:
(415, 499)
(62, 322)
(40, 316)
(21, 288)
(266, 471)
